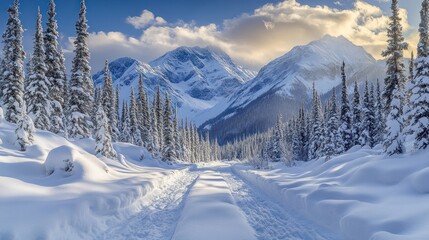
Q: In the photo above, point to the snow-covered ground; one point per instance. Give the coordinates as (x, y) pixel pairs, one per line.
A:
(58, 189)
(361, 194)
(42, 199)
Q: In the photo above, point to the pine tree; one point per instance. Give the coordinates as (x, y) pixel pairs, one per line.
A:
(277, 146)
(103, 140)
(395, 78)
(144, 115)
(168, 153)
(54, 73)
(107, 99)
(38, 105)
(379, 116)
(154, 128)
(419, 99)
(13, 66)
(317, 130)
(178, 147)
(81, 86)
(24, 132)
(394, 140)
(367, 127)
(333, 139)
(126, 125)
(135, 131)
(395, 81)
(159, 116)
(117, 114)
(345, 128)
(357, 116)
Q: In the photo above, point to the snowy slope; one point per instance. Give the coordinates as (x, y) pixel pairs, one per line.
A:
(41, 199)
(198, 78)
(361, 194)
(285, 83)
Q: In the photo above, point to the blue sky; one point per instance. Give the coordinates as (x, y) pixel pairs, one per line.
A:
(228, 24)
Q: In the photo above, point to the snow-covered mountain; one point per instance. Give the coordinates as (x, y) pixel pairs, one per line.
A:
(197, 78)
(285, 84)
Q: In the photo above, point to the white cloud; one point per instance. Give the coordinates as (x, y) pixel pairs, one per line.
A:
(251, 39)
(145, 19)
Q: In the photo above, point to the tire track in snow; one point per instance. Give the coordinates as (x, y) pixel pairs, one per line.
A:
(159, 215)
(269, 220)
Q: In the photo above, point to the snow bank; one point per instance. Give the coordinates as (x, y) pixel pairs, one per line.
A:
(43, 197)
(210, 213)
(66, 161)
(361, 194)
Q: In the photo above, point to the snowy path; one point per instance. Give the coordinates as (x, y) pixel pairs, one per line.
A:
(213, 203)
(160, 214)
(210, 212)
(270, 221)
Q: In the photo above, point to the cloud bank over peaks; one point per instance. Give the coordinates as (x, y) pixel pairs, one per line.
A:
(252, 39)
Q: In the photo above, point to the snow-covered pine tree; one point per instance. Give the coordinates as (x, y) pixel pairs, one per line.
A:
(117, 114)
(277, 146)
(135, 131)
(38, 105)
(143, 114)
(395, 78)
(345, 122)
(159, 116)
(54, 73)
(407, 95)
(394, 139)
(126, 125)
(107, 97)
(114, 113)
(333, 138)
(394, 84)
(24, 131)
(367, 127)
(357, 116)
(178, 147)
(168, 153)
(419, 99)
(379, 116)
(154, 128)
(103, 140)
(81, 88)
(13, 66)
(316, 128)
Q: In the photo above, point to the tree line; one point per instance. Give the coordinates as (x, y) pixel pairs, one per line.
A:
(44, 98)
(379, 116)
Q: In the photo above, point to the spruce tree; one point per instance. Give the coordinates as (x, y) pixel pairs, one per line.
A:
(38, 105)
(126, 135)
(144, 115)
(54, 73)
(357, 116)
(13, 66)
(367, 127)
(168, 153)
(333, 139)
(134, 125)
(379, 116)
(395, 81)
(395, 78)
(159, 116)
(317, 130)
(419, 100)
(81, 87)
(345, 128)
(103, 141)
(277, 146)
(107, 97)
(24, 132)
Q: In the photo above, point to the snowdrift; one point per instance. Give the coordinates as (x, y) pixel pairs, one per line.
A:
(59, 190)
(362, 194)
